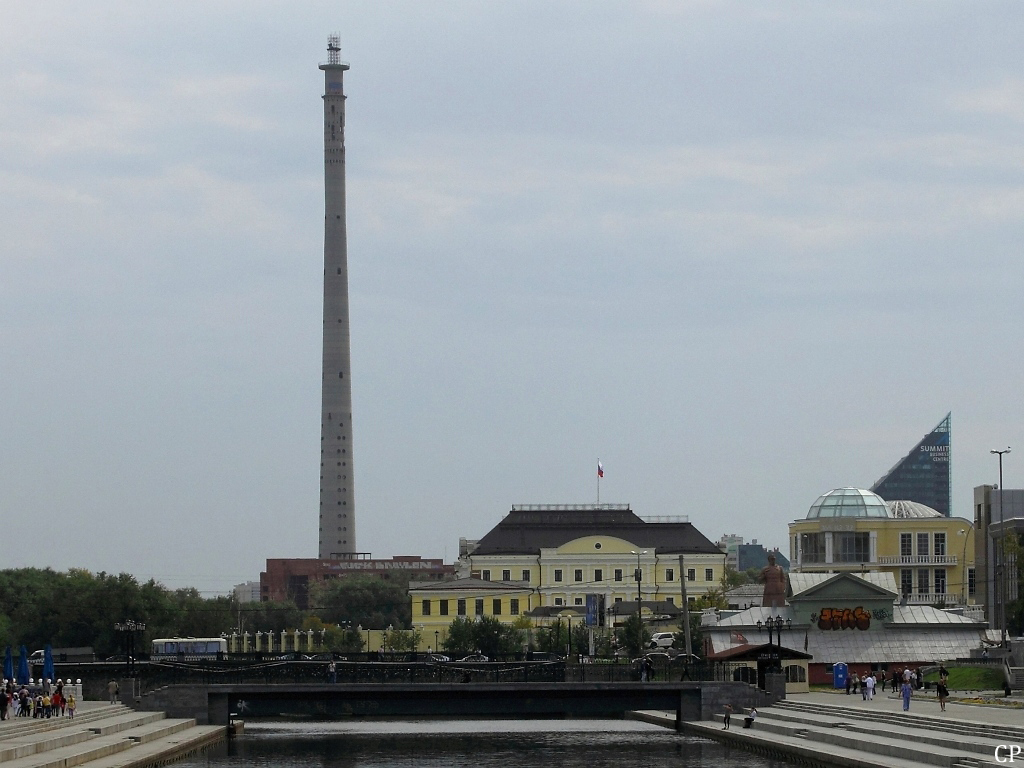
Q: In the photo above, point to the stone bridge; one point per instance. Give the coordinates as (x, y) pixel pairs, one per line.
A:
(219, 704)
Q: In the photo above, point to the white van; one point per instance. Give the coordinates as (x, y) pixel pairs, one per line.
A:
(662, 640)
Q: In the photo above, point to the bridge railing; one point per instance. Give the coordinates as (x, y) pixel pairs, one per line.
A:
(295, 673)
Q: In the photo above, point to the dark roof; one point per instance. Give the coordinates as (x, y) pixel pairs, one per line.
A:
(527, 531)
(628, 607)
(752, 652)
(545, 611)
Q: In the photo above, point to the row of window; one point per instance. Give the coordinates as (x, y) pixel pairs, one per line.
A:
(930, 581)
(581, 601)
(497, 604)
(923, 541)
(854, 547)
(478, 607)
(617, 575)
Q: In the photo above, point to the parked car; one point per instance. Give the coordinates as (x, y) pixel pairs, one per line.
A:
(686, 658)
(658, 656)
(662, 640)
(437, 657)
(475, 657)
(544, 656)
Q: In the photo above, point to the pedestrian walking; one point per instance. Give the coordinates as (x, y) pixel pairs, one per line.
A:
(943, 693)
(728, 714)
(906, 691)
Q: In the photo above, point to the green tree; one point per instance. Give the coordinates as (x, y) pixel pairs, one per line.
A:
(494, 638)
(713, 598)
(343, 639)
(581, 638)
(460, 638)
(404, 639)
(696, 636)
(633, 635)
(731, 578)
(368, 601)
(553, 638)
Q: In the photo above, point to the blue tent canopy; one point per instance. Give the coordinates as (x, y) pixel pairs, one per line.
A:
(48, 671)
(23, 674)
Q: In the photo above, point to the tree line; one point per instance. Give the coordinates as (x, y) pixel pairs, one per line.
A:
(78, 608)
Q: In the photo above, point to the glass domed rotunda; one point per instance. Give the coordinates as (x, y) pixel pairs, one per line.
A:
(849, 502)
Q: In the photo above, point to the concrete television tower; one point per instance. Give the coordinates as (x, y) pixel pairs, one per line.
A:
(337, 499)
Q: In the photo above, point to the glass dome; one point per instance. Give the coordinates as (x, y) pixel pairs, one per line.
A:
(849, 502)
(905, 509)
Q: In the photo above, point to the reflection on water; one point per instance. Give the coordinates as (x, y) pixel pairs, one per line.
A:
(469, 744)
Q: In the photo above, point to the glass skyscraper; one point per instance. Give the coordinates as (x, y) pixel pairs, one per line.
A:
(923, 474)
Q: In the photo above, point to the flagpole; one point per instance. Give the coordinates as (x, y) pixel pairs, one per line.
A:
(599, 481)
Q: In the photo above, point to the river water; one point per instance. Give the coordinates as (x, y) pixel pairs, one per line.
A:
(469, 744)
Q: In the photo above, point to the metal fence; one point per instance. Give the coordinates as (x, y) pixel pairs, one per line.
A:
(157, 674)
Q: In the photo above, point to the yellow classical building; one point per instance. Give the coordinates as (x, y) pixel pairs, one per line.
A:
(930, 557)
(590, 563)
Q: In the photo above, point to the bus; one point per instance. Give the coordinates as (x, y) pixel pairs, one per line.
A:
(189, 648)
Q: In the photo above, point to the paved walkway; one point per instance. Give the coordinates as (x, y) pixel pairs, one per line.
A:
(924, 704)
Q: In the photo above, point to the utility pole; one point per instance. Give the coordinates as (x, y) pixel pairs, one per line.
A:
(638, 575)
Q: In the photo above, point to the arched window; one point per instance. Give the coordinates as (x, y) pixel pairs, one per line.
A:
(795, 674)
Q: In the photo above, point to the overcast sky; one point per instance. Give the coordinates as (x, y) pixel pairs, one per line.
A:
(743, 253)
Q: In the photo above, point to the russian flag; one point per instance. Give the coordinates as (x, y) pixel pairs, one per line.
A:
(600, 468)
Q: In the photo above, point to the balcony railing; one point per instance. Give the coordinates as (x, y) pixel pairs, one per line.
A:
(918, 560)
(918, 598)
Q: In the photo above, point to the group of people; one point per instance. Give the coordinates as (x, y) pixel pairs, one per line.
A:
(905, 680)
(864, 685)
(748, 719)
(47, 701)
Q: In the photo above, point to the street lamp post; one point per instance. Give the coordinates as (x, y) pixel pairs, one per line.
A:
(1002, 593)
(774, 624)
(437, 645)
(638, 575)
(128, 629)
(568, 638)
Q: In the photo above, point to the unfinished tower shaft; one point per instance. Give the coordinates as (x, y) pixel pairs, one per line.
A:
(337, 505)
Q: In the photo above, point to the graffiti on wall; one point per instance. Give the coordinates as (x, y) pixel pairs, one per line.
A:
(843, 618)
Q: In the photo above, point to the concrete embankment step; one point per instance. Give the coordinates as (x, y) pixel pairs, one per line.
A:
(884, 741)
(794, 748)
(159, 750)
(863, 737)
(77, 754)
(25, 725)
(943, 723)
(22, 738)
(915, 733)
(106, 737)
(158, 730)
(125, 722)
(31, 744)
